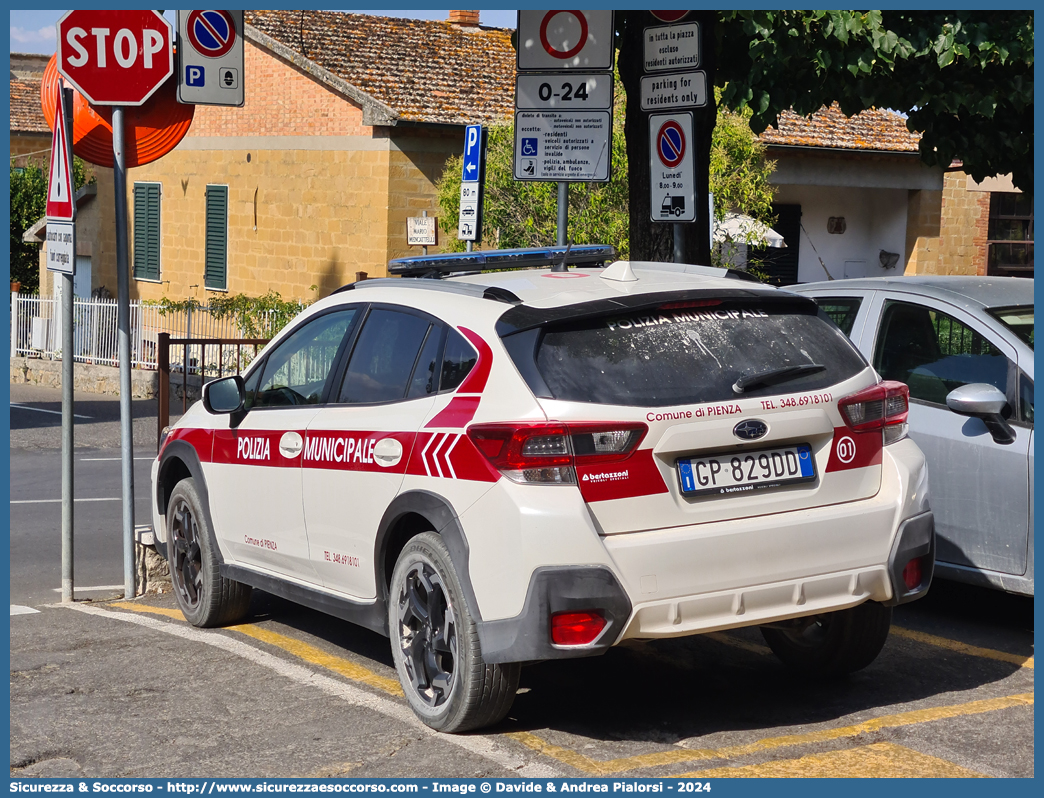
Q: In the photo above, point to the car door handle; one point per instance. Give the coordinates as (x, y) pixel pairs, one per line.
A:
(387, 452)
(290, 444)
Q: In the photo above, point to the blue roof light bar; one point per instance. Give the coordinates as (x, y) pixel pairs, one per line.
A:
(448, 263)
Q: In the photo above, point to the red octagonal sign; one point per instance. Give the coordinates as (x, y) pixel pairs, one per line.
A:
(115, 57)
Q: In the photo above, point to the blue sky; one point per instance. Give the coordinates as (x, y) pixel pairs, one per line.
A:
(33, 31)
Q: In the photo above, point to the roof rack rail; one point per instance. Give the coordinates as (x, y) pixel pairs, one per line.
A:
(437, 266)
(486, 292)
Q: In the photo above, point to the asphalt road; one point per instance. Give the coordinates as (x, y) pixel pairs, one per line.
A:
(112, 688)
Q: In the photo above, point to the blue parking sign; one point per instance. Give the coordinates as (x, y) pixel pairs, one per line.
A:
(195, 75)
(472, 168)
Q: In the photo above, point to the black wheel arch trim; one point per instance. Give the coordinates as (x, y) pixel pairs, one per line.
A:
(443, 519)
(186, 453)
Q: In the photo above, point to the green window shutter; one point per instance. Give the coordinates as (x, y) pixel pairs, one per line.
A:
(147, 231)
(216, 269)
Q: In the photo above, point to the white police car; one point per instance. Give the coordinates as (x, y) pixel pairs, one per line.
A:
(511, 466)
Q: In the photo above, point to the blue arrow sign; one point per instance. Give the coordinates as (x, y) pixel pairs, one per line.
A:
(472, 154)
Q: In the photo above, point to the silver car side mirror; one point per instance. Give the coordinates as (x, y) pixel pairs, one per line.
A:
(980, 400)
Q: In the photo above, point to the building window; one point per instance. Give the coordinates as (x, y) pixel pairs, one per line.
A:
(1010, 235)
(216, 268)
(147, 231)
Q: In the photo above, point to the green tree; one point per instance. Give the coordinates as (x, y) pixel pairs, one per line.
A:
(28, 204)
(523, 214)
(964, 79)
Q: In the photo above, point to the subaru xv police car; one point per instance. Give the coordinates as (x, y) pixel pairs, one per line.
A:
(519, 465)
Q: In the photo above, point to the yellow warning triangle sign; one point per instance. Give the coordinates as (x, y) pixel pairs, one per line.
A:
(60, 179)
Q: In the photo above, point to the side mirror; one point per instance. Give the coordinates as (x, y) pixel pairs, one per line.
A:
(984, 401)
(224, 395)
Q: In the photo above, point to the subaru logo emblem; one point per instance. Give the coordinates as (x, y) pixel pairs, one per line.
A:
(750, 430)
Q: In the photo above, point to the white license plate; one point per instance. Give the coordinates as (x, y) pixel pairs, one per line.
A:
(746, 472)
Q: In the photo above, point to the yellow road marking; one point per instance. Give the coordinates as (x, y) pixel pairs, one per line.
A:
(879, 760)
(317, 656)
(681, 755)
(963, 648)
(297, 648)
(126, 605)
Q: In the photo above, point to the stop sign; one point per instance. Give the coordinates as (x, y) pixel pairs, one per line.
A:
(115, 57)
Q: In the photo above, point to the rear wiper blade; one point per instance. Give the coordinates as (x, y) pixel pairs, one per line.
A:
(775, 376)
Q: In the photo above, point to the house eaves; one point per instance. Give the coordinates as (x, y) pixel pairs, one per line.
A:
(375, 113)
(36, 234)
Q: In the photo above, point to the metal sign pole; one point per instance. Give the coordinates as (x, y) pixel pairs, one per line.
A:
(67, 377)
(563, 213)
(119, 179)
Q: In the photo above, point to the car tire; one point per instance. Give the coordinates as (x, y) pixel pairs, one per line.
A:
(205, 597)
(832, 644)
(435, 644)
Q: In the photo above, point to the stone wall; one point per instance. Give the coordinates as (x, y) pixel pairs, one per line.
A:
(949, 237)
(102, 379)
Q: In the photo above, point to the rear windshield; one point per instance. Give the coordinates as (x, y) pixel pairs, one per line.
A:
(690, 356)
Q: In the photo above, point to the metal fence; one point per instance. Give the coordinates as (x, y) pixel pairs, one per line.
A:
(36, 330)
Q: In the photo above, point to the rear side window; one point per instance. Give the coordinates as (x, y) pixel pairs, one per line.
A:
(840, 310)
(690, 356)
(383, 359)
(458, 360)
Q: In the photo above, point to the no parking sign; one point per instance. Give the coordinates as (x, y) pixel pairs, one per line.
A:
(672, 168)
(210, 57)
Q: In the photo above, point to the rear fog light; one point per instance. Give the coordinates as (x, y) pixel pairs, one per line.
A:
(576, 628)
(912, 574)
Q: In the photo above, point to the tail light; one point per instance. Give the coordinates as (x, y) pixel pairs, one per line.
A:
(883, 406)
(549, 452)
(576, 628)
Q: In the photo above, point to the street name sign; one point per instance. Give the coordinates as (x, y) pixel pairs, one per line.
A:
(115, 57)
(674, 90)
(672, 47)
(210, 58)
(559, 40)
(672, 173)
(421, 231)
(563, 146)
(572, 91)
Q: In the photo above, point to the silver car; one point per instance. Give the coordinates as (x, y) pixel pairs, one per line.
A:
(964, 345)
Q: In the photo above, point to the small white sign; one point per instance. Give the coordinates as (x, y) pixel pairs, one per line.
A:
(555, 40)
(468, 218)
(672, 47)
(574, 91)
(674, 90)
(563, 146)
(421, 231)
(211, 58)
(61, 247)
(672, 172)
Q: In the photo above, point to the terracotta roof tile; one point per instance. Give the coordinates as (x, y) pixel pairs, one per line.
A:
(426, 71)
(26, 113)
(876, 129)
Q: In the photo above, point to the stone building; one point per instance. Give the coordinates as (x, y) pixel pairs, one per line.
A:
(30, 134)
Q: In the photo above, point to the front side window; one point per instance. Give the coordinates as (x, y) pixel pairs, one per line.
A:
(384, 357)
(934, 353)
(296, 372)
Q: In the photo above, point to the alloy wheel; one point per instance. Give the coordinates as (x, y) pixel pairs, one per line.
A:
(427, 634)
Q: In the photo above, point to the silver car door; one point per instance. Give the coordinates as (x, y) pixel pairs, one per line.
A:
(977, 486)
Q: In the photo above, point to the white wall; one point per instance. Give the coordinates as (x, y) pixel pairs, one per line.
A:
(875, 219)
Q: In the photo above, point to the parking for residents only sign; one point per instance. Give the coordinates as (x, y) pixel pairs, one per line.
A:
(566, 146)
(674, 90)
